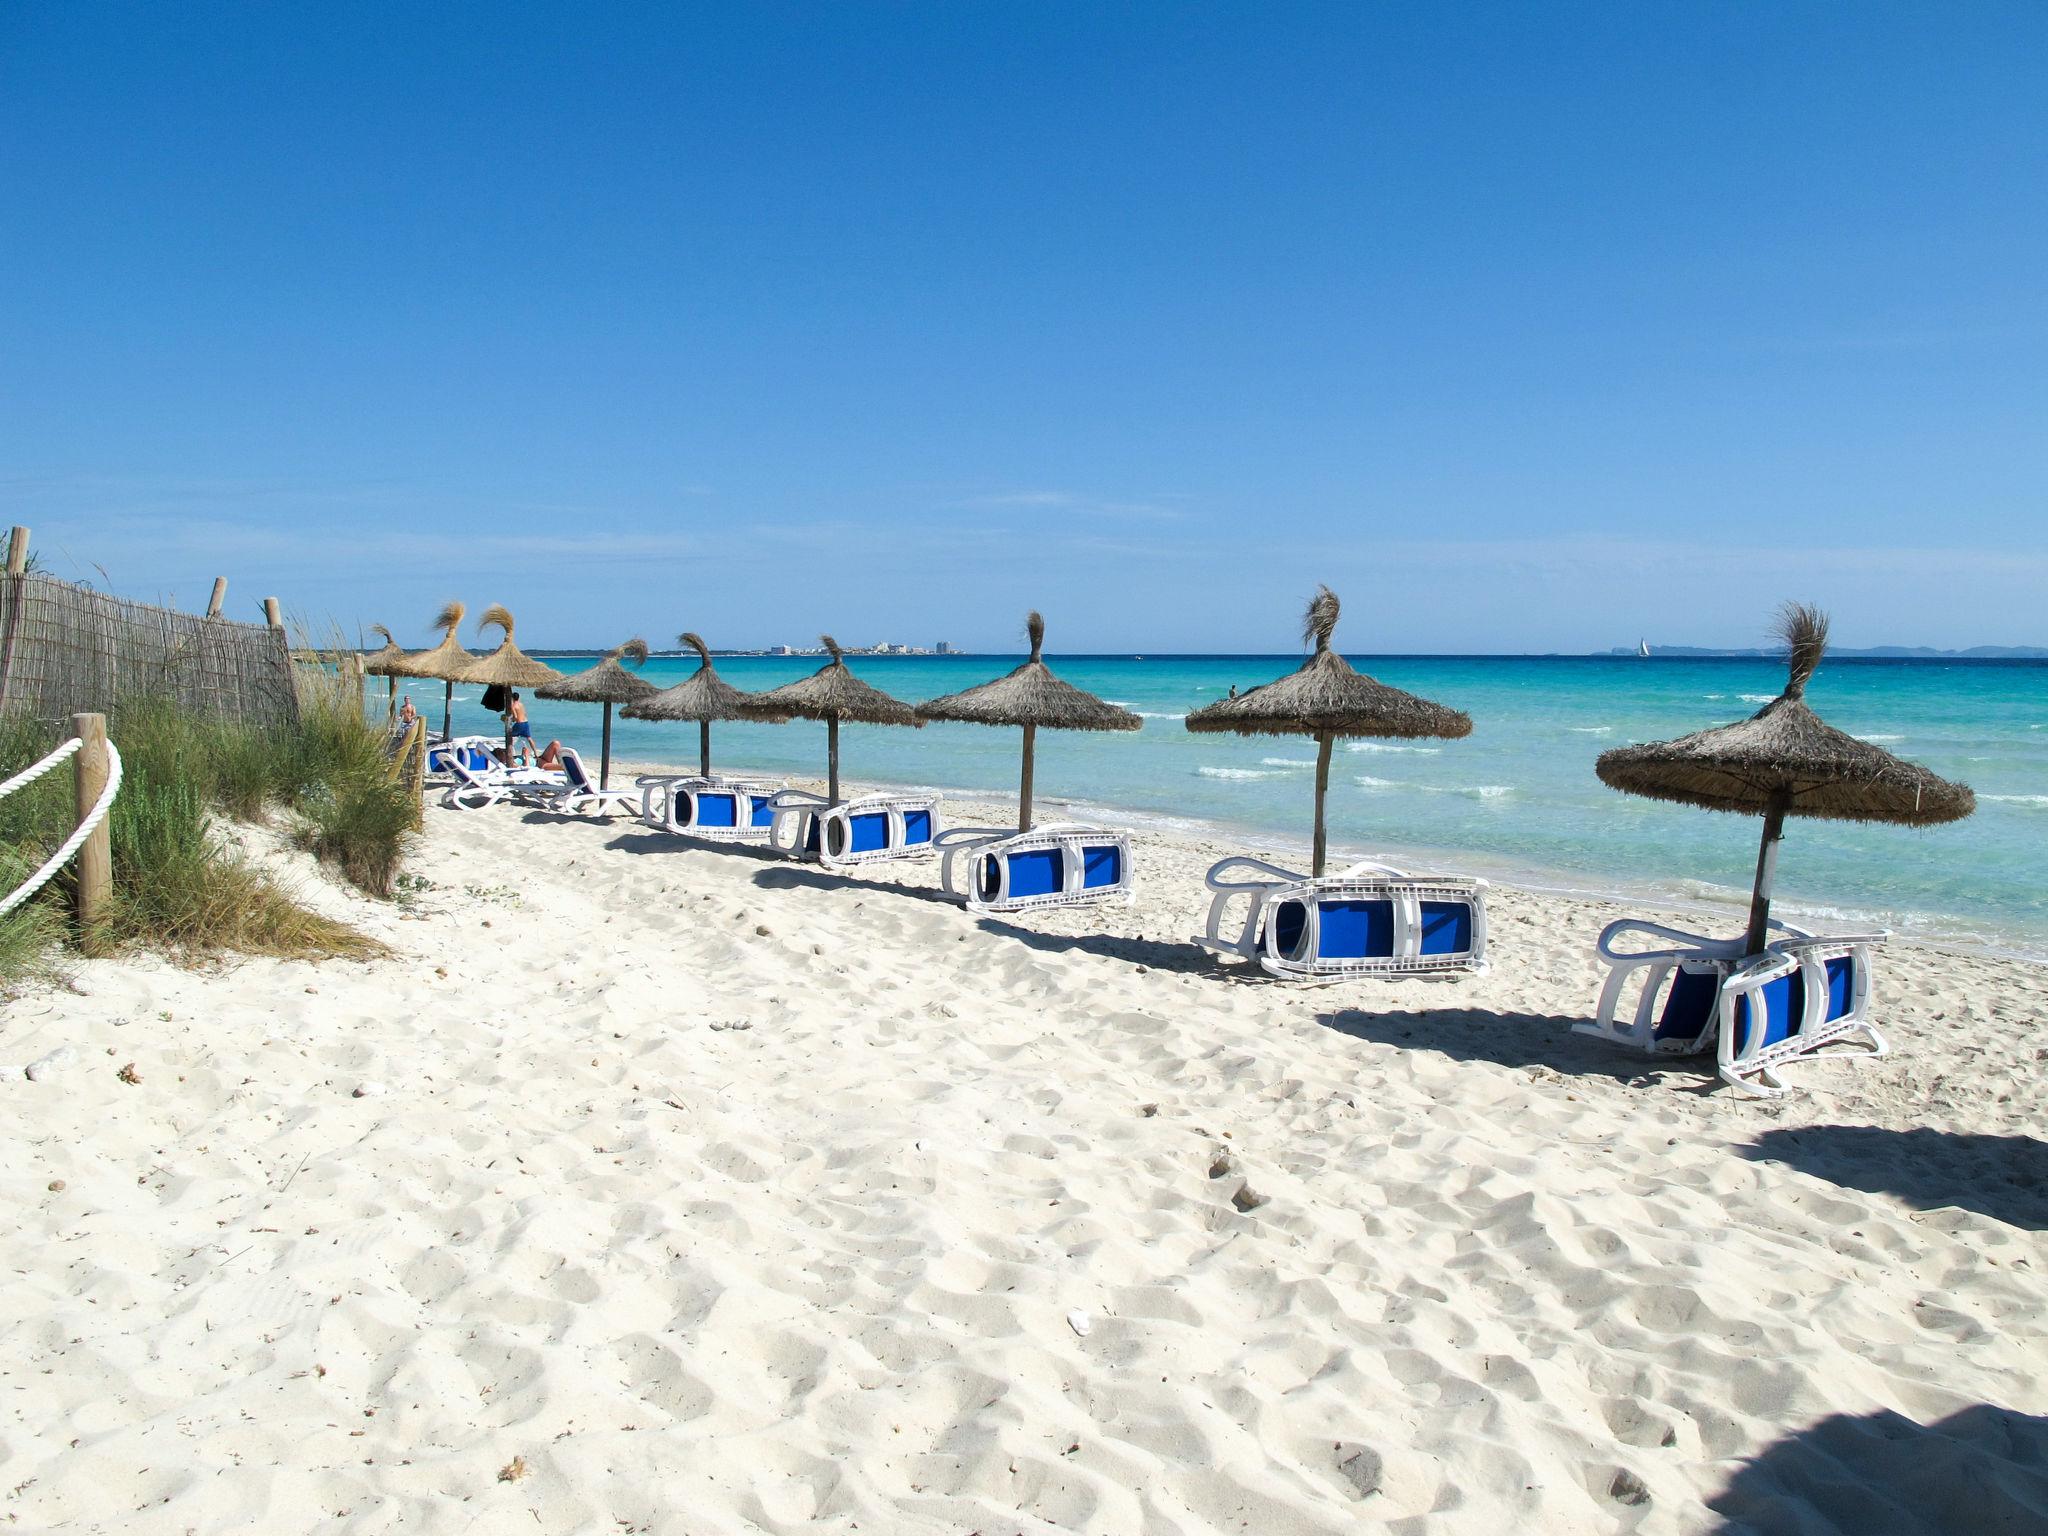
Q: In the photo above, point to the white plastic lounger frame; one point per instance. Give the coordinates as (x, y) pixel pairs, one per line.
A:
(1759, 1012)
(579, 792)
(1368, 920)
(1061, 864)
(472, 789)
(867, 830)
(714, 808)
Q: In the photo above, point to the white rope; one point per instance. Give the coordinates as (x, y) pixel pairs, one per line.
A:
(85, 828)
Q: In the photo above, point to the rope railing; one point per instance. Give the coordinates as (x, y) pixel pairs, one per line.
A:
(87, 824)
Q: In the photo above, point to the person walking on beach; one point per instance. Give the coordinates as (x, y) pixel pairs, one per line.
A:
(406, 715)
(522, 730)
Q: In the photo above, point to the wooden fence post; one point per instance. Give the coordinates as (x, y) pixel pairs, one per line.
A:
(273, 615)
(17, 565)
(89, 768)
(220, 595)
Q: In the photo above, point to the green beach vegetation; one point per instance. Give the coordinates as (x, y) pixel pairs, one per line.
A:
(180, 885)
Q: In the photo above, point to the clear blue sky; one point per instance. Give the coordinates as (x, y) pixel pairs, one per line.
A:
(1524, 326)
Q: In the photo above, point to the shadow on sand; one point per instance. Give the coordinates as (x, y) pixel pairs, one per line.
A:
(2003, 1177)
(1519, 1040)
(1983, 1470)
(1153, 954)
(789, 876)
(645, 840)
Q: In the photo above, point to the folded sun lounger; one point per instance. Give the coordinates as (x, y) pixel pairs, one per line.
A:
(1062, 864)
(720, 810)
(866, 830)
(1757, 1012)
(1368, 920)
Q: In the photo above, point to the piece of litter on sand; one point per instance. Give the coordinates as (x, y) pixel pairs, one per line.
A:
(368, 1091)
(1080, 1322)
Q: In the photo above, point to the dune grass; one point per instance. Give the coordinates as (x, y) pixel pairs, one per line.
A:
(177, 885)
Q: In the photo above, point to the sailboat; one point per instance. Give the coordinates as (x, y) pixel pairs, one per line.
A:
(1642, 647)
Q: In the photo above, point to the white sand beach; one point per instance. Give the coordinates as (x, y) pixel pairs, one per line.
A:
(665, 1188)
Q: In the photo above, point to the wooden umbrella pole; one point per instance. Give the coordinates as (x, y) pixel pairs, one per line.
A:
(704, 748)
(447, 708)
(1024, 788)
(1322, 845)
(604, 769)
(390, 698)
(832, 757)
(1766, 874)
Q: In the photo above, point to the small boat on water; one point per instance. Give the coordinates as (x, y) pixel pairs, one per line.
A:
(1642, 647)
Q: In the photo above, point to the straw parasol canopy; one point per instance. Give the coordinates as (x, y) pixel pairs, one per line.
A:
(607, 683)
(833, 694)
(703, 696)
(448, 661)
(1030, 697)
(1326, 697)
(1785, 760)
(507, 666)
(385, 664)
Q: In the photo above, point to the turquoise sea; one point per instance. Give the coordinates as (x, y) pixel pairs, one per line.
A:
(1517, 800)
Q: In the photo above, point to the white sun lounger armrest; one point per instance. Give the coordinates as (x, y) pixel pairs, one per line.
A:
(958, 843)
(1273, 872)
(1683, 945)
(1271, 877)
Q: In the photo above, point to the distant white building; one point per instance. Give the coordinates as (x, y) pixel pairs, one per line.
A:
(945, 648)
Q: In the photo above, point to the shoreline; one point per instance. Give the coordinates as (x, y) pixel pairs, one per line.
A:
(1622, 893)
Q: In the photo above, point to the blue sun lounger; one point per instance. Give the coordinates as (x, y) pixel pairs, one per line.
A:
(1757, 1012)
(479, 754)
(1368, 920)
(1062, 864)
(867, 830)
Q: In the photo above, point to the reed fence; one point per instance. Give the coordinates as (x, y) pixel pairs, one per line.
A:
(65, 648)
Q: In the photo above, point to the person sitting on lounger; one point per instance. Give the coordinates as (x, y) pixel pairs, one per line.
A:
(551, 754)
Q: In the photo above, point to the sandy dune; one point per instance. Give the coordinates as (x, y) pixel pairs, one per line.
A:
(672, 1189)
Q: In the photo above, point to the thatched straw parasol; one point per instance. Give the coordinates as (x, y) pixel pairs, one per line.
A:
(507, 666)
(1327, 698)
(387, 664)
(832, 694)
(703, 696)
(1030, 697)
(607, 683)
(1784, 760)
(448, 661)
